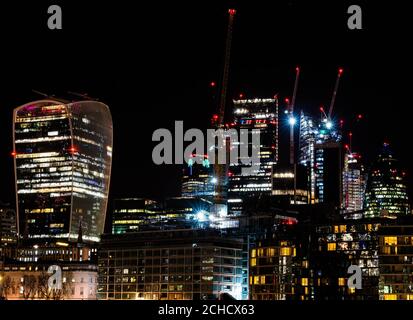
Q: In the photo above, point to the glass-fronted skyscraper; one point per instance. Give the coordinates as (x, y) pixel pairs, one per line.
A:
(354, 183)
(62, 156)
(320, 151)
(386, 193)
(198, 179)
(262, 115)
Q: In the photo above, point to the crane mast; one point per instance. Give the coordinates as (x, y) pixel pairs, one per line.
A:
(220, 170)
(292, 119)
(333, 98)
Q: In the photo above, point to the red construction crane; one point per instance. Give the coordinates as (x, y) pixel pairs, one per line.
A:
(225, 75)
(292, 119)
(220, 170)
(333, 98)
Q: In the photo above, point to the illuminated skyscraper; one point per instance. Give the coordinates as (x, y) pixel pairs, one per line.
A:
(354, 183)
(261, 114)
(386, 193)
(321, 151)
(198, 179)
(307, 139)
(63, 157)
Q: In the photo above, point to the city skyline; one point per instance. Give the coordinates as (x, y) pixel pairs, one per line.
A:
(109, 192)
(260, 69)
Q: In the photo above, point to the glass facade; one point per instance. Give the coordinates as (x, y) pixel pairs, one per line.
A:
(354, 183)
(63, 156)
(261, 114)
(198, 179)
(386, 194)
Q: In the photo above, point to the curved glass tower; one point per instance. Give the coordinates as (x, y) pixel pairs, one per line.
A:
(62, 159)
(386, 194)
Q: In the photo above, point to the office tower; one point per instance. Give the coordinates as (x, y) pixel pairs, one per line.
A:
(386, 193)
(8, 225)
(260, 114)
(198, 179)
(307, 140)
(132, 214)
(321, 152)
(329, 172)
(354, 183)
(171, 265)
(290, 184)
(62, 158)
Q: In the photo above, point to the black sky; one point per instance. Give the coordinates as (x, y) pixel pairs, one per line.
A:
(152, 63)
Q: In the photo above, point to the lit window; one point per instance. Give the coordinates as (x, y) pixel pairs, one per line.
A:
(262, 279)
(253, 262)
(253, 253)
(285, 252)
(304, 282)
(390, 241)
(271, 252)
(341, 282)
(256, 280)
(390, 297)
(331, 246)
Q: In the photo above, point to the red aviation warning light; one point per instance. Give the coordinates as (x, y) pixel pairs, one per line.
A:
(359, 116)
(241, 95)
(213, 84)
(340, 71)
(72, 150)
(13, 154)
(232, 12)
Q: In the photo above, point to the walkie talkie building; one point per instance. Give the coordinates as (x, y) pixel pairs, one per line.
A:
(62, 158)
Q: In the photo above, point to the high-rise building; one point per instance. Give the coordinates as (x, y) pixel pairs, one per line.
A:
(62, 158)
(198, 179)
(329, 172)
(290, 184)
(262, 115)
(354, 183)
(386, 192)
(307, 140)
(320, 150)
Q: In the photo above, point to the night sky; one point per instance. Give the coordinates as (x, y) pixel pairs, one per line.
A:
(152, 64)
